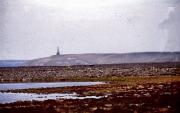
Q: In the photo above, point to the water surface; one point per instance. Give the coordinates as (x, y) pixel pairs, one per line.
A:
(13, 86)
(14, 97)
(9, 97)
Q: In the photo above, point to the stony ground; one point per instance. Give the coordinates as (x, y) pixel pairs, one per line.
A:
(86, 73)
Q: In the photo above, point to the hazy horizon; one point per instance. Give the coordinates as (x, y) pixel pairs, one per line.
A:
(93, 53)
(34, 28)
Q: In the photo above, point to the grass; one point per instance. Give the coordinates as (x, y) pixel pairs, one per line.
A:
(129, 79)
(111, 79)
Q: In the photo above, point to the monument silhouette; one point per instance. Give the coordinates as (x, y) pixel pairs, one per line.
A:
(58, 53)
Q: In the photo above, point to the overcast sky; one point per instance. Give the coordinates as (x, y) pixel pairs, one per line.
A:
(34, 28)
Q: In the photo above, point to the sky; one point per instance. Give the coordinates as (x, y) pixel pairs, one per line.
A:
(34, 28)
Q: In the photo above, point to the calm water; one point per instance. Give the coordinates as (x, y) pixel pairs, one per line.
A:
(14, 97)
(12, 86)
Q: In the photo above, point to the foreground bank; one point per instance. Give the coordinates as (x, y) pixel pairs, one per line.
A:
(129, 88)
(133, 95)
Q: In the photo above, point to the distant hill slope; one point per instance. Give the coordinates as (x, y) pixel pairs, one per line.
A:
(93, 59)
(11, 63)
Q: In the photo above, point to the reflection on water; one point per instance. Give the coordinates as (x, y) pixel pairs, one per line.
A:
(6, 97)
(12, 86)
(14, 97)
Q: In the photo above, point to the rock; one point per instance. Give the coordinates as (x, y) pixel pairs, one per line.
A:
(108, 105)
(151, 88)
(147, 94)
(163, 109)
(106, 108)
(160, 86)
(137, 95)
(140, 87)
(93, 108)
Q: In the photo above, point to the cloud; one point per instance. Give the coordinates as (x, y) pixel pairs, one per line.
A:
(34, 28)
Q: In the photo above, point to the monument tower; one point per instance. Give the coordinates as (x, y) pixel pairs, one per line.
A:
(58, 53)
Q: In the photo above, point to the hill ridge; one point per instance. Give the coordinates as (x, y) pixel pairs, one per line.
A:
(105, 58)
